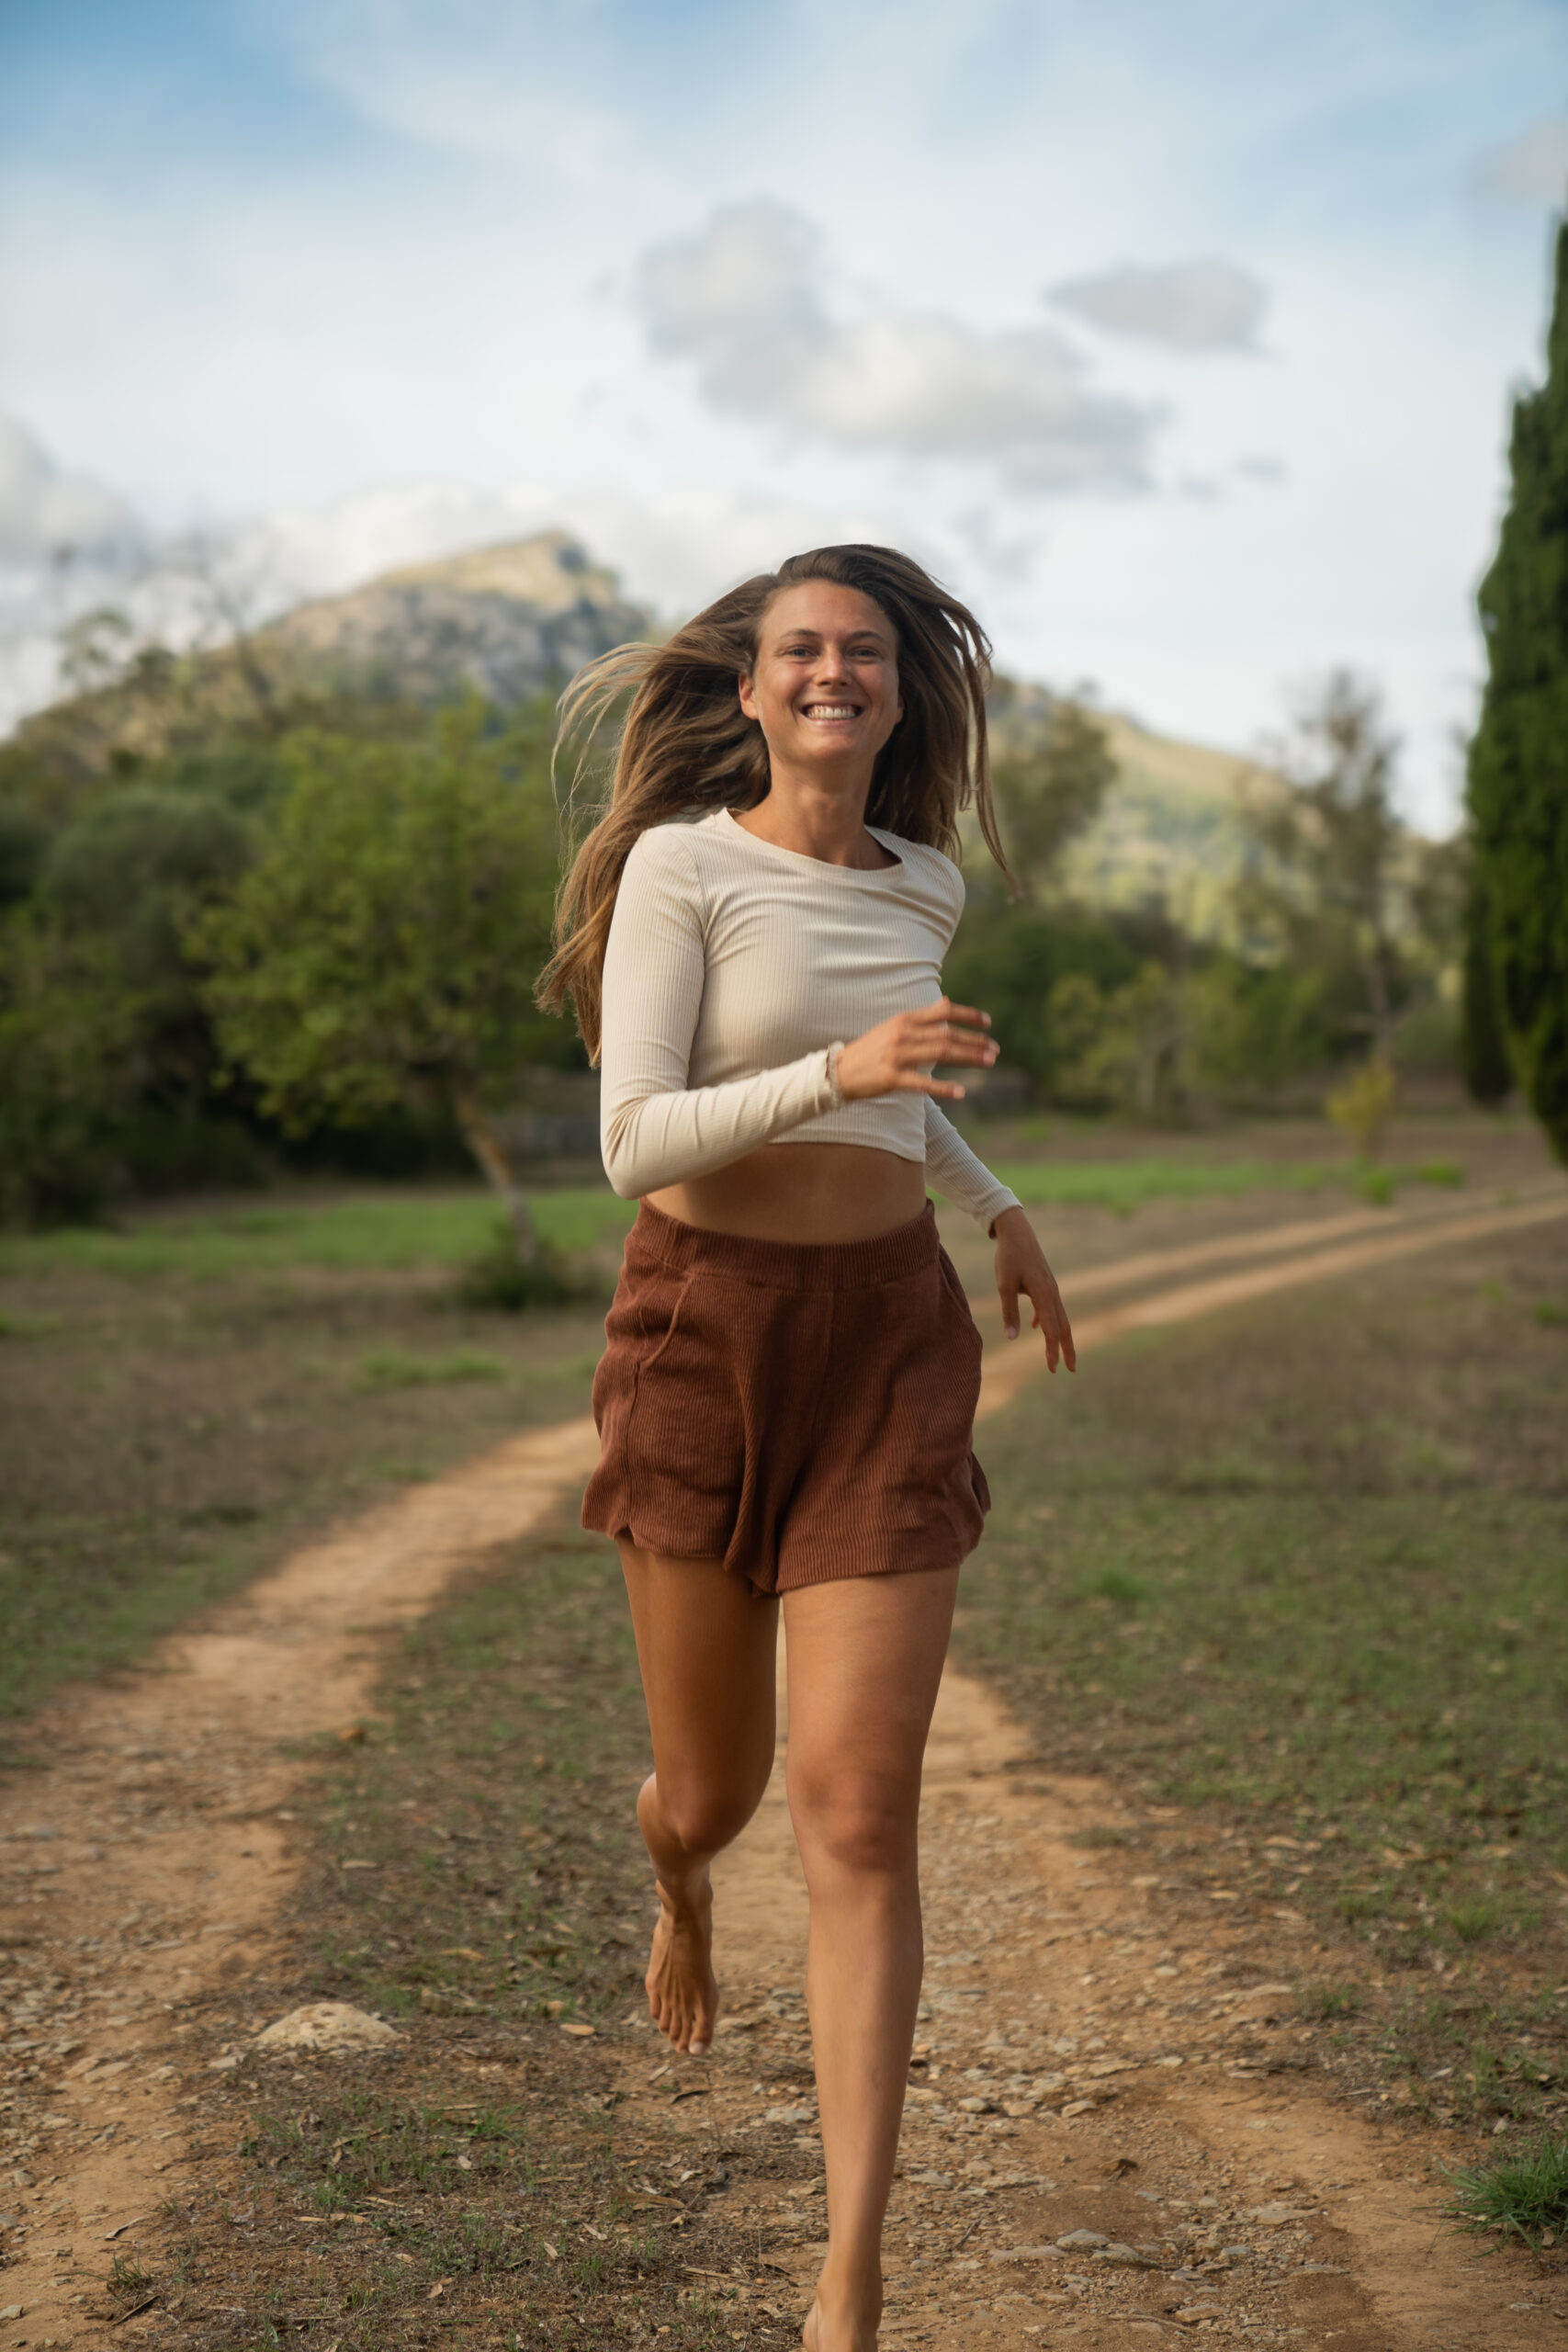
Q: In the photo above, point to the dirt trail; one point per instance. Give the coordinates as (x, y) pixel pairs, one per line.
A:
(1075, 2022)
(150, 1863)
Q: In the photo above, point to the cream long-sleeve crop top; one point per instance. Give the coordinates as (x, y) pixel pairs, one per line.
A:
(732, 966)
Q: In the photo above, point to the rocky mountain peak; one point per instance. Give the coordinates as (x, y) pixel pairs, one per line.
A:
(507, 621)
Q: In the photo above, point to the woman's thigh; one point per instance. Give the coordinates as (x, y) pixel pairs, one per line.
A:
(706, 1644)
(865, 1659)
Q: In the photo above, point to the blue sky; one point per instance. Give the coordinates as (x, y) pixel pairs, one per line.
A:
(1180, 338)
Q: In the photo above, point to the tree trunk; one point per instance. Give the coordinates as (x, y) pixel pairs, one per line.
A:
(491, 1153)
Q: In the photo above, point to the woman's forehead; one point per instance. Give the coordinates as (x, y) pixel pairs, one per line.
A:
(826, 609)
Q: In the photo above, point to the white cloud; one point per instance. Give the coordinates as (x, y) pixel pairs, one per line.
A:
(1532, 168)
(743, 298)
(46, 513)
(1190, 305)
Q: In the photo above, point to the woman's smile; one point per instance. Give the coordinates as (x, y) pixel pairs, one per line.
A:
(826, 678)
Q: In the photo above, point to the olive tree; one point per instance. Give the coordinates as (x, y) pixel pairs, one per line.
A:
(382, 951)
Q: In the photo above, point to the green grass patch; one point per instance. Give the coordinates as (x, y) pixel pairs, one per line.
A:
(1327, 2002)
(24, 1326)
(1124, 1186)
(1377, 1186)
(1305, 1580)
(397, 1368)
(398, 1232)
(1473, 1923)
(1525, 2197)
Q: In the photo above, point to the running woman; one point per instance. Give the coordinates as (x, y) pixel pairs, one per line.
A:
(752, 939)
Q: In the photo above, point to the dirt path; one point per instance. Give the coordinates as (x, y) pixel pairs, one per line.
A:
(1100, 2058)
(149, 1865)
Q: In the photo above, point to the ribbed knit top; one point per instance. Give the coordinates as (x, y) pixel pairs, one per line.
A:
(732, 966)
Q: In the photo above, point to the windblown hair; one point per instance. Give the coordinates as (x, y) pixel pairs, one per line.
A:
(687, 746)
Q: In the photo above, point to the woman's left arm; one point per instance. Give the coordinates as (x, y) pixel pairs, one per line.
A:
(965, 1180)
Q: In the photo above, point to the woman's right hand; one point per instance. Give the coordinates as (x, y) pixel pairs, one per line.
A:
(896, 1056)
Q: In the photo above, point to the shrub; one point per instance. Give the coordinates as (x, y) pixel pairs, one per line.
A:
(499, 1277)
(1364, 1104)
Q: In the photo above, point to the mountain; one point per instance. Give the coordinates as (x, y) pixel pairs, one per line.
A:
(507, 622)
(504, 621)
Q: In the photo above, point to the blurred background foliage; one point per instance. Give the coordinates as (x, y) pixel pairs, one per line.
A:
(278, 903)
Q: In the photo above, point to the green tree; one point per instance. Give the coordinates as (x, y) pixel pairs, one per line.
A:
(1126, 1047)
(1253, 1026)
(1484, 1050)
(1519, 759)
(383, 949)
(1009, 958)
(130, 870)
(68, 1070)
(1049, 790)
(1321, 889)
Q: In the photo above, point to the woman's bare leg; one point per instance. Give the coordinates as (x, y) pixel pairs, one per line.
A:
(706, 1644)
(865, 1658)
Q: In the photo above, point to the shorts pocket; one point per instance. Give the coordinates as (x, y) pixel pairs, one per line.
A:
(685, 1429)
(960, 1327)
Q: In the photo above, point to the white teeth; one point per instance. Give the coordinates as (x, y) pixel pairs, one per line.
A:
(828, 710)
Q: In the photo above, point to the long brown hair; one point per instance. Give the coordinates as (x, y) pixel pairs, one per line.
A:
(688, 745)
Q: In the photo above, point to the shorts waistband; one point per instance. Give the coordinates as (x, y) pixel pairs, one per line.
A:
(787, 1265)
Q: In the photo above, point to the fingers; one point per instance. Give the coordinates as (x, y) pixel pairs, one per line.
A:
(896, 1057)
(1008, 1287)
(1050, 1320)
(946, 1032)
(963, 1016)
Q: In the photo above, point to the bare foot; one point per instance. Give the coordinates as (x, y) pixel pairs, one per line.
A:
(818, 2336)
(682, 1992)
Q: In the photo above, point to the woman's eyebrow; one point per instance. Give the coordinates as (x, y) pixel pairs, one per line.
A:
(815, 637)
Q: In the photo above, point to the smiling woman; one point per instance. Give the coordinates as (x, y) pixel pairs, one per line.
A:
(786, 1403)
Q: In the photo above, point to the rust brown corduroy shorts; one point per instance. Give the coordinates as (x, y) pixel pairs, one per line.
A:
(801, 1411)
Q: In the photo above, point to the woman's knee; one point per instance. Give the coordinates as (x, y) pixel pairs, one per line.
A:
(705, 1817)
(851, 1821)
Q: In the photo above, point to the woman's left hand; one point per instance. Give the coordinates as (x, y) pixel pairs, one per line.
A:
(1020, 1266)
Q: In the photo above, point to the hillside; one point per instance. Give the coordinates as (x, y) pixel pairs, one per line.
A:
(1172, 830)
(510, 620)
(504, 621)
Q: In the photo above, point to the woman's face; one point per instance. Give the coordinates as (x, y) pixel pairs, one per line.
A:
(825, 689)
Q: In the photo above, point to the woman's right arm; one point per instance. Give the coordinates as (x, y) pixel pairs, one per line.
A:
(655, 1129)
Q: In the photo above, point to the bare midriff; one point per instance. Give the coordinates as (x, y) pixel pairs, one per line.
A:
(802, 1191)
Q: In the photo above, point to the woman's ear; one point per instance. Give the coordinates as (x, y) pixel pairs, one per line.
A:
(748, 694)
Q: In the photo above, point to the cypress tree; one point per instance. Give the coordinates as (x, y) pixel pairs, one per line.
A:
(1518, 760)
(1484, 1049)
